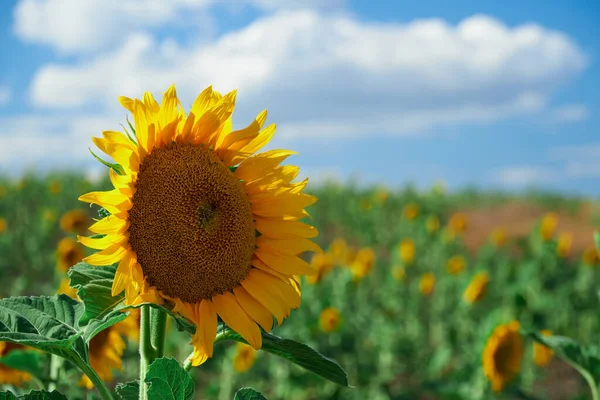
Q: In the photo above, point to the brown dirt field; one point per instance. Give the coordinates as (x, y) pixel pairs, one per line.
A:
(518, 219)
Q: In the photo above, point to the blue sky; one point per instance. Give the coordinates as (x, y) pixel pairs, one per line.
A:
(499, 95)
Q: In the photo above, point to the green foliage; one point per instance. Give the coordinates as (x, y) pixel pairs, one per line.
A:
(248, 394)
(169, 381)
(128, 391)
(34, 395)
(24, 360)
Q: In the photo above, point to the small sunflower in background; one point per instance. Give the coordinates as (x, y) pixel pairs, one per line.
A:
(427, 284)
(458, 224)
(477, 288)
(381, 196)
(366, 204)
(399, 272)
(339, 250)
(10, 376)
(498, 237)
(407, 251)
(410, 211)
(55, 187)
(590, 256)
(244, 357)
(456, 264)
(3, 225)
(65, 288)
(542, 355)
(502, 355)
(363, 263)
(322, 263)
(432, 224)
(330, 320)
(564, 244)
(68, 253)
(75, 221)
(193, 189)
(548, 226)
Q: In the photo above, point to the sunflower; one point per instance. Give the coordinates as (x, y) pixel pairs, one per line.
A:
(456, 264)
(548, 226)
(432, 224)
(363, 263)
(498, 237)
(65, 288)
(381, 195)
(339, 249)
(458, 223)
(106, 351)
(427, 284)
(590, 256)
(563, 245)
(542, 355)
(399, 272)
(75, 221)
(244, 357)
(330, 320)
(2, 225)
(199, 222)
(54, 187)
(68, 253)
(410, 211)
(477, 288)
(10, 376)
(323, 263)
(407, 251)
(502, 355)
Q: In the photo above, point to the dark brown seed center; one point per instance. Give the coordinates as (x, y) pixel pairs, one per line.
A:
(191, 225)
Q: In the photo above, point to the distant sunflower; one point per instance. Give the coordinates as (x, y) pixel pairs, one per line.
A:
(75, 221)
(502, 355)
(399, 272)
(458, 223)
(590, 256)
(432, 224)
(548, 226)
(244, 357)
(563, 245)
(498, 237)
(477, 288)
(410, 211)
(339, 250)
(65, 288)
(3, 225)
(10, 376)
(363, 263)
(330, 320)
(68, 253)
(542, 355)
(407, 251)
(55, 187)
(106, 352)
(456, 264)
(199, 222)
(427, 284)
(323, 263)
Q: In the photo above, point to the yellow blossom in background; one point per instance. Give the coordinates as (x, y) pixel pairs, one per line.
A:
(330, 320)
(75, 221)
(502, 355)
(381, 195)
(244, 358)
(69, 253)
(339, 249)
(366, 204)
(590, 256)
(55, 187)
(322, 263)
(563, 246)
(363, 263)
(456, 264)
(542, 355)
(458, 223)
(410, 211)
(64, 288)
(9, 376)
(399, 272)
(3, 225)
(548, 226)
(106, 352)
(50, 215)
(477, 288)
(427, 284)
(498, 237)
(407, 251)
(432, 224)
(350, 256)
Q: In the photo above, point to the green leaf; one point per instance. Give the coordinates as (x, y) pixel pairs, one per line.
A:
(169, 381)
(298, 353)
(597, 240)
(24, 360)
(34, 395)
(248, 394)
(47, 323)
(117, 167)
(7, 396)
(128, 391)
(97, 325)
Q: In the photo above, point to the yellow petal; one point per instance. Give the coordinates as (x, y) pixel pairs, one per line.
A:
(114, 201)
(254, 285)
(254, 308)
(236, 318)
(108, 256)
(101, 243)
(122, 275)
(257, 166)
(205, 100)
(282, 205)
(285, 264)
(206, 331)
(127, 103)
(278, 228)
(291, 247)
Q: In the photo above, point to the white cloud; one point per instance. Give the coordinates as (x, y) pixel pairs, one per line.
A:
(5, 95)
(524, 175)
(571, 113)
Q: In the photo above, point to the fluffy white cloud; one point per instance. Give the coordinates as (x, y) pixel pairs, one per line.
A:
(571, 113)
(524, 175)
(5, 95)
(332, 75)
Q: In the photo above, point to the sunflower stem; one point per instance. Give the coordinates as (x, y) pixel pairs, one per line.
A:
(146, 350)
(158, 329)
(187, 364)
(98, 383)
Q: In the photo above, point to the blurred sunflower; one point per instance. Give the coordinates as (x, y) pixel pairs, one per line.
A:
(427, 284)
(65, 288)
(244, 357)
(590, 256)
(55, 187)
(407, 251)
(363, 263)
(432, 224)
(458, 223)
(563, 246)
(191, 189)
(542, 355)
(498, 237)
(548, 226)
(339, 250)
(381, 196)
(366, 204)
(399, 272)
(502, 355)
(10, 376)
(68, 253)
(410, 211)
(477, 288)
(456, 264)
(330, 320)
(76, 221)
(322, 263)
(3, 225)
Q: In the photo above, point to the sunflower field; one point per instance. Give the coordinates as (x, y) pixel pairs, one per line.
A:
(181, 279)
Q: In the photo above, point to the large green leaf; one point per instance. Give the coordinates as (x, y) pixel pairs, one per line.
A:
(169, 381)
(47, 323)
(34, 395)
(248, 394)
(24, 360)
(128, 391)
(298, 353)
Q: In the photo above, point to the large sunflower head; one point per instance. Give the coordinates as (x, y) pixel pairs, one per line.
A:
(68, 253)
(9, 376)
(200, 222)
(502, 355)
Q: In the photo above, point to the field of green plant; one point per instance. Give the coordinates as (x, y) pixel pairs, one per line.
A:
(398, 302)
